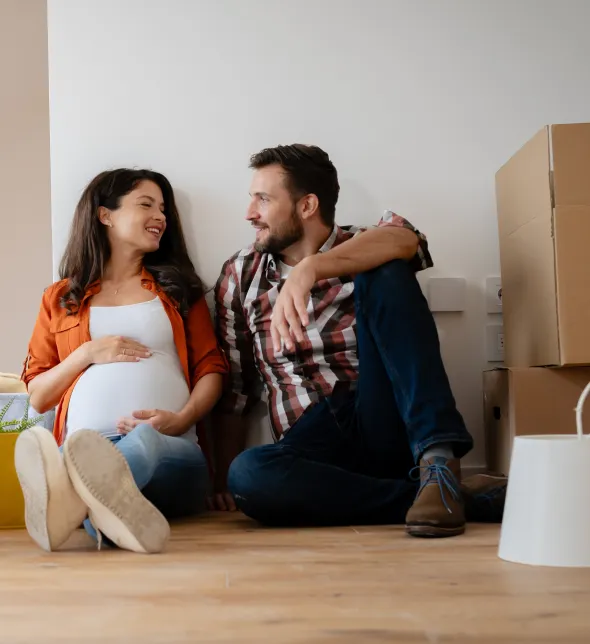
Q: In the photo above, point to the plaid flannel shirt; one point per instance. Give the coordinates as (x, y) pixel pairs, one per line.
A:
(245, 295)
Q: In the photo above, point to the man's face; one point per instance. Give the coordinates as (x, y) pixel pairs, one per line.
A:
(272, 211)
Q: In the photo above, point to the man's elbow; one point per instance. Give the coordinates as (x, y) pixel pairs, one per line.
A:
(410, 250)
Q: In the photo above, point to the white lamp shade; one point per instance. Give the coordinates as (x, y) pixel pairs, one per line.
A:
(547, 512)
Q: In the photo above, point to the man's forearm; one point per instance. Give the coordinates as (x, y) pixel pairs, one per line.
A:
(366, 251)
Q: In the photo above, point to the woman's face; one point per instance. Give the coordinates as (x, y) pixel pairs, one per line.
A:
(139, 222)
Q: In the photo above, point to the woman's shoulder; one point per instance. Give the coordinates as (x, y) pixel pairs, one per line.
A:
(56, 290)
(52, 297)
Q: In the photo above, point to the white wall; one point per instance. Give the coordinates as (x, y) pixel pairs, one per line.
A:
(418, 102)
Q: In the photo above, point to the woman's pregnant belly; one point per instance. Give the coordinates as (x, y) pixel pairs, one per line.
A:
(107, 392)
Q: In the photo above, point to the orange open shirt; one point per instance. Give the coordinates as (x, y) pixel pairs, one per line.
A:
(57, 334)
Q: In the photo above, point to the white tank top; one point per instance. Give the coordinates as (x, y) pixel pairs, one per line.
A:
(107, 392)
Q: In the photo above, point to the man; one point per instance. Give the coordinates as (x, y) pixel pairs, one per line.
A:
(332, 322)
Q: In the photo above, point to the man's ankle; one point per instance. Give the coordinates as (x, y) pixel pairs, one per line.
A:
(442, 450)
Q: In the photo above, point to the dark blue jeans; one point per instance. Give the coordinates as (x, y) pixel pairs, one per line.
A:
(347, 460)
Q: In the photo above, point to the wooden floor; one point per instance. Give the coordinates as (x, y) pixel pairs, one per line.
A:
(224, 579)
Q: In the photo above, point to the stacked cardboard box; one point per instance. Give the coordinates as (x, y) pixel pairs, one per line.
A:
(543, 203)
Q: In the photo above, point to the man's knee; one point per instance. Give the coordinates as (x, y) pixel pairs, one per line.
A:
(242, 477)
(252, 480)
(392, 282)
(389, 273)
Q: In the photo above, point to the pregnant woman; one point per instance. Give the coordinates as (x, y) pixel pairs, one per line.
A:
(125, 349)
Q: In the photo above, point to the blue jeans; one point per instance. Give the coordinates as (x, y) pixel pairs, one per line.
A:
(347, 460)
(170, 471)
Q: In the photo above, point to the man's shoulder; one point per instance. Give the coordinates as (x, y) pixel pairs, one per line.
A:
(345, 233)
(243, 260)
(352, 229)
(242, 255)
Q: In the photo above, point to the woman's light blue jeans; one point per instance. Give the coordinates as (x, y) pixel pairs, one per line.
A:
(171, 471)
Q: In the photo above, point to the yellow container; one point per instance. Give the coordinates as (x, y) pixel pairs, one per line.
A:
(12, 503)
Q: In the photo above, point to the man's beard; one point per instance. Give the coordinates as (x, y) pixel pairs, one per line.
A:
(285, 235)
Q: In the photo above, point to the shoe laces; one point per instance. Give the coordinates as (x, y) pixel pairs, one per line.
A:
(437, 474)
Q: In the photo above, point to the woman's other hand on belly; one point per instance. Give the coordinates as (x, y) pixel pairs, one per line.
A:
(114, 348)
(166, 422)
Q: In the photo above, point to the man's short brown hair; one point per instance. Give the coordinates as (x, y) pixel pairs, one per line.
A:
(309, 171)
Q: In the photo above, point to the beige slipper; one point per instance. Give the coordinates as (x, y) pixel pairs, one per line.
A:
(10, 383)
(101, 476)
(53, 510)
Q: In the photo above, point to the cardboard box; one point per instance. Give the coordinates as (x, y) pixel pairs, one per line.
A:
(521, 402)
(543, 203)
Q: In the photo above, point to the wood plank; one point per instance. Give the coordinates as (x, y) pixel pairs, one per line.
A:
(225, 579)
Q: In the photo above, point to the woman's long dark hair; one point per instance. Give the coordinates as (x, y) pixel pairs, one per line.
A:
(88, 249)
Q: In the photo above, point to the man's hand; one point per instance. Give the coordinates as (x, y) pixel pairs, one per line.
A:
(229, 438)
(221, 500)
(166, 422)
(290, 310)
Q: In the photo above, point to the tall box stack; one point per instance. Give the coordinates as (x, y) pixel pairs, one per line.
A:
(543, 202)
(543, 205)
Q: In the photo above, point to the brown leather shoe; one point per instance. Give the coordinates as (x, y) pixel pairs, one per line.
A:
(484, 496)
(438, 509)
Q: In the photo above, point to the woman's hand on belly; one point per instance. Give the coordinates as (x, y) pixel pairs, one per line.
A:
(115, 349)
(166, 422)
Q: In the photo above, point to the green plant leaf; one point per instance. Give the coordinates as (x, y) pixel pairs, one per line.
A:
(6, 408)
(20, 424)
(28, 424)
(6, 425)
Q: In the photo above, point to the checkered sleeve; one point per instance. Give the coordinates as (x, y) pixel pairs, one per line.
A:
(235, 339)
(422, 260)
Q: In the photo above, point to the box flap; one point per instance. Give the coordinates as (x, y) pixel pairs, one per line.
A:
(523, 186)
(572, 247)
(570, 149)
